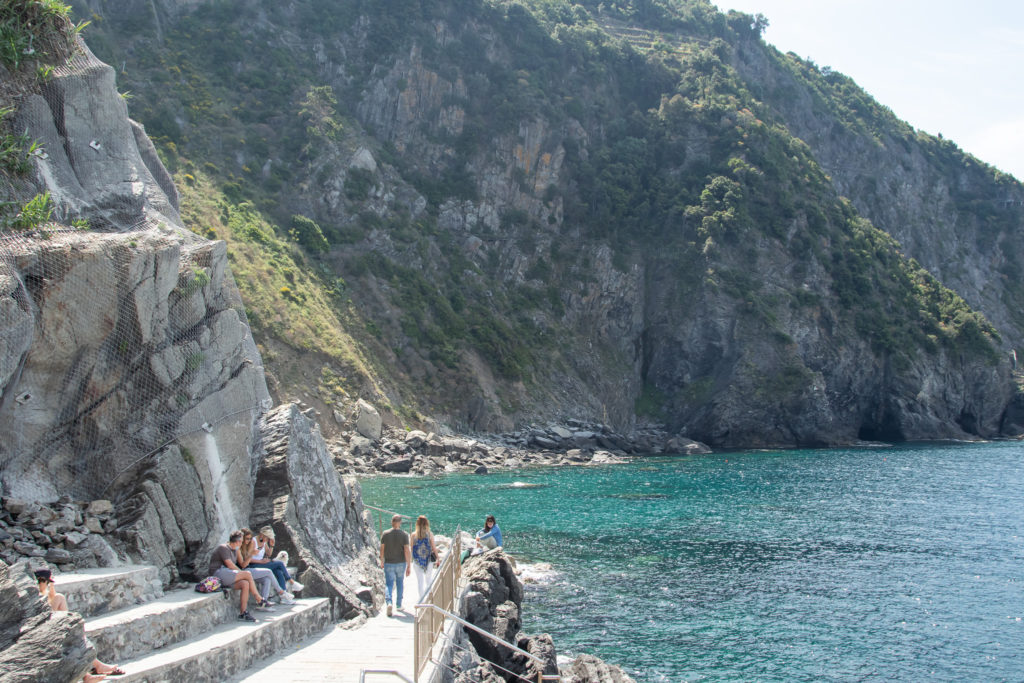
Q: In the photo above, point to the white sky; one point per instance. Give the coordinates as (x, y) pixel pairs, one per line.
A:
(955, 68)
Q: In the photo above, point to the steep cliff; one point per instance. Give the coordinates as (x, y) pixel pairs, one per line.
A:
(540, 211)
(128, 373)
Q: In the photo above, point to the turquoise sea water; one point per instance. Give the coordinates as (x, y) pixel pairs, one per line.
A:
(900, 563)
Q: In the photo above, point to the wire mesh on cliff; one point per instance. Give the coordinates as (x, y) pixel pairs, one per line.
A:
(116, 324)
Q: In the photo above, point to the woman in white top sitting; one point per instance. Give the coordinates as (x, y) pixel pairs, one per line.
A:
(246, 551)
(264, 544)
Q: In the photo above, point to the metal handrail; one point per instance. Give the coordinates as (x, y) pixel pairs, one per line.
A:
(486, 634)
(363, 672)
(450, 573)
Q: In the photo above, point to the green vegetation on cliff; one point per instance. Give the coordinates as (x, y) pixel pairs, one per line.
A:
(476, 200)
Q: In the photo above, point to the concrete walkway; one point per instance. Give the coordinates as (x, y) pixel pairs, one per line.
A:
(339, 654)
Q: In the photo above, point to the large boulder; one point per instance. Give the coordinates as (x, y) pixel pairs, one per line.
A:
(317, 516)
(368, 421)
(492, 603)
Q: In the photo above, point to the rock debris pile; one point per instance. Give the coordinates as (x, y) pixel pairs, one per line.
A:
(371, 448)
(69, 534)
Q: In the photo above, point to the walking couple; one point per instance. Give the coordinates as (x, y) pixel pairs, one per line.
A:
(401, 554)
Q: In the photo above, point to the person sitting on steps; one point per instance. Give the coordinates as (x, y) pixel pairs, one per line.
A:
(59, 603)
(264, 549)
(243, 557)
(222, 565)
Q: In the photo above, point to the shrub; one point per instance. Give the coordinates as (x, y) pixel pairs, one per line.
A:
(307, 233)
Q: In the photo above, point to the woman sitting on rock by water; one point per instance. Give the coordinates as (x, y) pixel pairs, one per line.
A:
(489, 537)
(424, 554)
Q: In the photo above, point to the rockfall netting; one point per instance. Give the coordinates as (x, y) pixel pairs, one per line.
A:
(120, 332)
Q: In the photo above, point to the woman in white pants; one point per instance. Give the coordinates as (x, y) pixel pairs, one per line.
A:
(424, 554)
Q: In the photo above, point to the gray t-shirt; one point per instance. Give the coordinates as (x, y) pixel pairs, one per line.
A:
(394, 542)
(217, 559)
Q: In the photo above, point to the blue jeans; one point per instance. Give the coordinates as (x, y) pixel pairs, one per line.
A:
(280, 572)
(394, 573)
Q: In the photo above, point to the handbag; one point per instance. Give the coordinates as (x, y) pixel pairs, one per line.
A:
(433, 556)
(211, 584)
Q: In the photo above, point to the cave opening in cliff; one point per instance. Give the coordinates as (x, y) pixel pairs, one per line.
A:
(883, 426)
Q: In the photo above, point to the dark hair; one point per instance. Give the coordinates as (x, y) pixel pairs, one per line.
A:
(44, 575)
(490, 518)
(235, 536)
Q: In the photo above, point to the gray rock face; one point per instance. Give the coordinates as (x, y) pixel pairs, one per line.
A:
(492, 603)
(115, 344)
(317, 517)
(35, 643)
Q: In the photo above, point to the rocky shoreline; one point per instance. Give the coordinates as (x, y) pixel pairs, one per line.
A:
(493, 602)
(370, 448)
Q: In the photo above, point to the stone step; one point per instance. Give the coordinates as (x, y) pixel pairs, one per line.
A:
(105, 589)
(176, 616)
(232, 646)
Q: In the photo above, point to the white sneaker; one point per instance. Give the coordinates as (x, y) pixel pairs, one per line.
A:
(294, 586)
(286, 598)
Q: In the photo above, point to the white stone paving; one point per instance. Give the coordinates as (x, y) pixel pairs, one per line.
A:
(340, 654)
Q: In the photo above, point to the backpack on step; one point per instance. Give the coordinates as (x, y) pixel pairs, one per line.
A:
(211, 584)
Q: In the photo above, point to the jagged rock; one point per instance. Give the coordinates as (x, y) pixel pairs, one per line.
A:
(543, 442)
(590, 669)
(680, 444)
(415, 438)
(482, 469)
(35, 643)
(186, 500)
(368, 423)
(94, 525)
(398, 465)
(482, 672)
(541, 646)
(104, 554)
(492, 603)
(361, 446)
(28, 549)
(74, 539)
(561, 433)
(57, 556)
(317, 517)
(143, 535)
(15, 506)
(100, 507)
